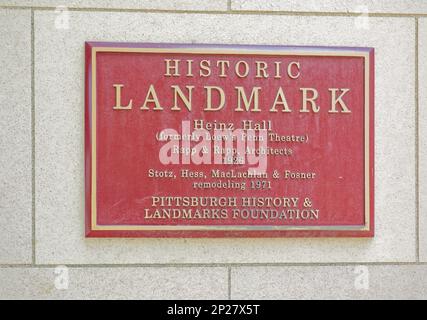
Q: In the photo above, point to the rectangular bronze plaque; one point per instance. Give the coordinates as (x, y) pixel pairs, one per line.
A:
(229, 141)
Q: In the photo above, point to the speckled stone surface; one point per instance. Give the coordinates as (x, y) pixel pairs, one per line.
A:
(330, 282)
(123, 4)
(422, 78)
(342, 6)
(114, 283)
(15, 137)
(59, 71)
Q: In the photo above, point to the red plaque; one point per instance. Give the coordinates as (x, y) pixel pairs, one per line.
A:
(229, 141)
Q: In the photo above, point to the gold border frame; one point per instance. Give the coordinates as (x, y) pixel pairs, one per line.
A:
(244, 51)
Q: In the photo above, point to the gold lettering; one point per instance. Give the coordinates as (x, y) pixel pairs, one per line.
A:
(277, 75)
(222, 64)
(335, 100)
(242, 96)
(280, 99)
(293, 76)
(312, 100)
(173, 67)
(118, 105)
(151, 98)
(187, 101)
(237, 69)
(205, 68)
(209, 98)
(261, 67)
(189, 68)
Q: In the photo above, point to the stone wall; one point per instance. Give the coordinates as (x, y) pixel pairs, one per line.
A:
(42, 157)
